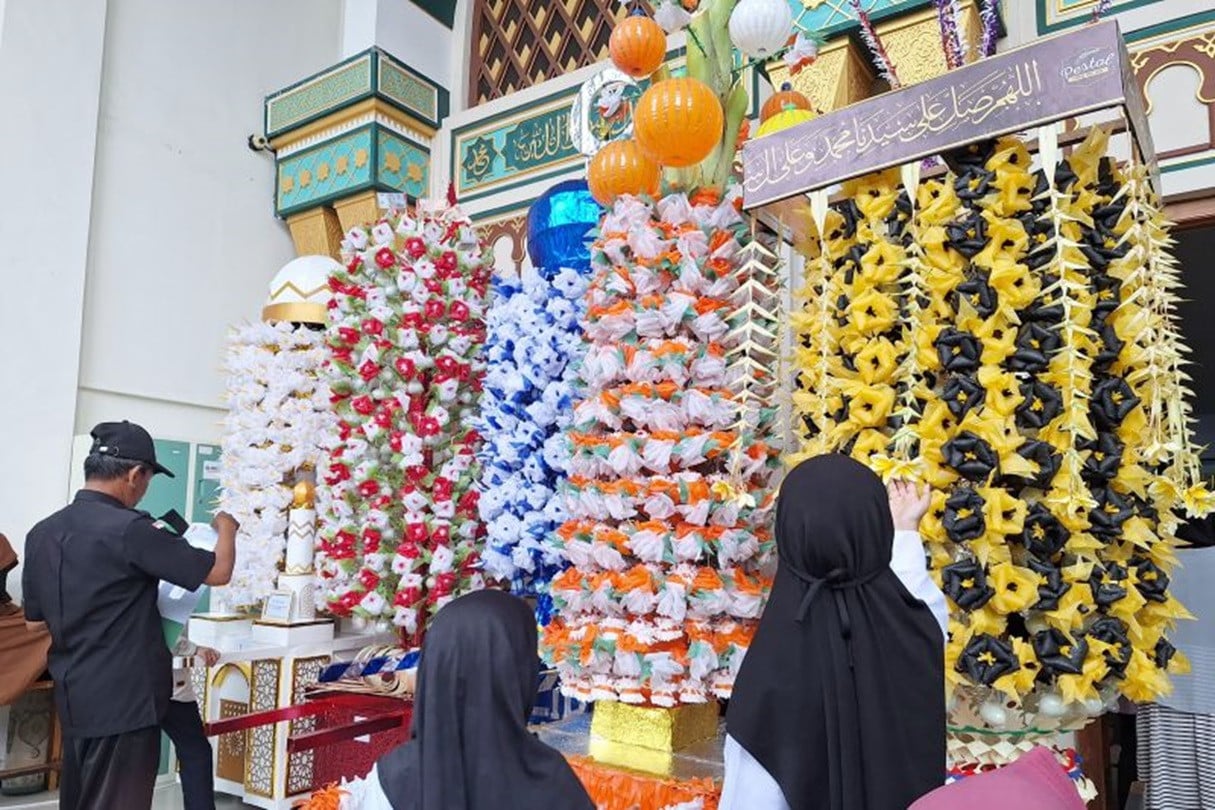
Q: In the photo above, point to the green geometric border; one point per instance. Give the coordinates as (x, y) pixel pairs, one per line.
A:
(1169, 26)
(442, 10)
(1187, 164)
(1080, 18)
(373, 180)
(512, 117)
(815, 20)
(372, 73)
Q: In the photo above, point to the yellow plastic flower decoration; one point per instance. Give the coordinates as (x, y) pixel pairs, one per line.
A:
(1016, 587)
(881, 264)
(936, 202)
(1004, 514)
(870, 406)
(1003, 392)
(877, 361)
(874, 194)
(1006, 239)
(998, 335)
(871, 313)
(1073, 606)
(1015, 284)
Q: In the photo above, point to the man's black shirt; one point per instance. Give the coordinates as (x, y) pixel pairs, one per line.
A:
(92, 572)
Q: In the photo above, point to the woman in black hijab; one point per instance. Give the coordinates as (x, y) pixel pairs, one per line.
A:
(841, 698)
(470, 748)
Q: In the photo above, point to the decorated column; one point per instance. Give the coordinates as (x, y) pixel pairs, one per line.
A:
(670, 490)
(398, 506)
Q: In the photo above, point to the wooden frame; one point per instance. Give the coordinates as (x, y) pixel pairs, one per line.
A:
(54, 761)
(520, 43)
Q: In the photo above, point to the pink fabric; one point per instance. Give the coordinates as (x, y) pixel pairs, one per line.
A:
(1035, 780)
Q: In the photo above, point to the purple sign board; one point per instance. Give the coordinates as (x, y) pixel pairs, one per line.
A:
(1050, 80)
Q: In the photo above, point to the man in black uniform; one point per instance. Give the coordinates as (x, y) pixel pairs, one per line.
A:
(91, 574)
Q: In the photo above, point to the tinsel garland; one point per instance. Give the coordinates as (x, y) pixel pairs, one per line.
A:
(533, 347)
(1009, 335)
(989, 15)
(881, 58)
(669, 493)
(399, 523)
(279, 421)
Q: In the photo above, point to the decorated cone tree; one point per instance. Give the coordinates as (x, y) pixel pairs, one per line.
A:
(1008, 333)
(532, 351)
(672, 465)
(399, 506)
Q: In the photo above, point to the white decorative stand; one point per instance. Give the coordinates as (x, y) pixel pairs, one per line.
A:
(298, 576)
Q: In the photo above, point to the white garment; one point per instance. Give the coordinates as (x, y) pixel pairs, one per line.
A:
(365, 794)
(747, 785)
(183, 686)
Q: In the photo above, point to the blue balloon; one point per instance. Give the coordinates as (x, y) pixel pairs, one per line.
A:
(557, 226)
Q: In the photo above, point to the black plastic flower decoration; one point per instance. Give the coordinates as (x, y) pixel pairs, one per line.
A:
(1112, 400)
(1053, 586)
(962, 395)
(900, 216)
(1112, 631)
(970, 456)
(1109, 295)
(963, 518)
(1043, 310)
(979, 294)
(968, 235)
(1040, 200)
(1058, 654)
(1108, 583)
(965, 583)
(971, 156)
(973, 183)
(1111, 346)
(986, 659)
(1150, 580)
(1163, 653)
(1112, 510)
(1065, 178)
(1104, 458)
(1041, 403)
(1044, 536)
(960, 352)
(1047, 459)
(1035, 343)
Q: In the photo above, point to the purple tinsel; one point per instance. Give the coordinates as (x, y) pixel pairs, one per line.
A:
(949, 34)
(951, 40)
(991, 28)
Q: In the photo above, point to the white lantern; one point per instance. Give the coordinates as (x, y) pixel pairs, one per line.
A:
(760, 28)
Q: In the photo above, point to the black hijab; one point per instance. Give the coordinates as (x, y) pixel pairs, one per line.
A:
(470, 748)
(841, 697)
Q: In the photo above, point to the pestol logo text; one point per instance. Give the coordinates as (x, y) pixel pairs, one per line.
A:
(1088, 65)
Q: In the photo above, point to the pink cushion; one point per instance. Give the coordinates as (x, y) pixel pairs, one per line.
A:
(1035, 780)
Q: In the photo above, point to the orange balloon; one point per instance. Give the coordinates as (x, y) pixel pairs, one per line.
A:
(638, 45)
(677, 122)
(621, 167)
(783, 99)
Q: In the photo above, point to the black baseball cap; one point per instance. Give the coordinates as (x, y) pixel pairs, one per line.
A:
(127, 441)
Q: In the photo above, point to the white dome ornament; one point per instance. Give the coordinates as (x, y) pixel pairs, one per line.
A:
(760, 28)
(300, 291)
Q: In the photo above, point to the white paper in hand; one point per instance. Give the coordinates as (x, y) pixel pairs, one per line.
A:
(175, 603)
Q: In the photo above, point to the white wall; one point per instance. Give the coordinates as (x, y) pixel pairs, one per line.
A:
(50, 72)
(184, 238)
(136, 226)
(419, 40)
(409, 34)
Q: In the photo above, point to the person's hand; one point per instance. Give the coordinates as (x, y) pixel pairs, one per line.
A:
(223, 520)
(209, 656)
(908, 503)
